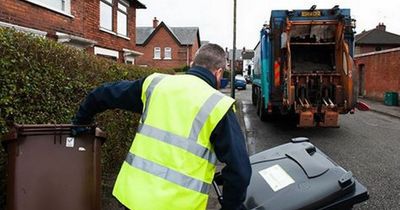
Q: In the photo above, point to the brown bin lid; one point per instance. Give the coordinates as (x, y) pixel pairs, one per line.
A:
(40, 129)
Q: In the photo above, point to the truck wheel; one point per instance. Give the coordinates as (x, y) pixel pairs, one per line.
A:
(253, 95)
(263, 113)
(258, 103)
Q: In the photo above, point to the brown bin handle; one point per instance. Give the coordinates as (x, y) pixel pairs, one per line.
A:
(57, 129)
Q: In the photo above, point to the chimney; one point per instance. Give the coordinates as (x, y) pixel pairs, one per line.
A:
(381, 27)
(155, 22)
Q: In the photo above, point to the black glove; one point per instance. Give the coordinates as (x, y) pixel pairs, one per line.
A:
(79, 128)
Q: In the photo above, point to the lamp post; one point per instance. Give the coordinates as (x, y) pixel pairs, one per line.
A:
(233, 70)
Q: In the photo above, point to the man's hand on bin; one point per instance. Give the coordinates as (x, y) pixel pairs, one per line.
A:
(79, 128)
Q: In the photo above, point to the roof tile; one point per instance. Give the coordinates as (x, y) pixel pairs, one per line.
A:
(185, 35)
(376, 36)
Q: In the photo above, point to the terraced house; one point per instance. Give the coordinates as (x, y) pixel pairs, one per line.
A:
(103, 27)
(377, 59)
(167, 47)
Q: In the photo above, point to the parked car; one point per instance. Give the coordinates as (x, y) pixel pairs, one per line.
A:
(247, 78)
(240, 82)
(224, 82)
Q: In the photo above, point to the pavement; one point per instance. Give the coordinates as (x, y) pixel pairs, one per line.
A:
(380, 107)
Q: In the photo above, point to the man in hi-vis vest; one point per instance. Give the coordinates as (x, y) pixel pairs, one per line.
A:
(185, 127)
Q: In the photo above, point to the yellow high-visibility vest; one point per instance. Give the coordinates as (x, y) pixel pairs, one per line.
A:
(171, 163)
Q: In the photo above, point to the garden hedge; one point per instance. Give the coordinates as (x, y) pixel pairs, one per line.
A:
(44, 82)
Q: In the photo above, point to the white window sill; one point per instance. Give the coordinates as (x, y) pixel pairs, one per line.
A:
(167, 58)
(105, 51)
(113, 33)
(123, 36)
(68, 14)
(107, 31)
(156, 58)
(24, 29)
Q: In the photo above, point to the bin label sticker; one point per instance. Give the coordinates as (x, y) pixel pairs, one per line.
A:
(276, 177)
(70, 142)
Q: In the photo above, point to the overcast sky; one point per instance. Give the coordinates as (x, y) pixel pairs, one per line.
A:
(215, 17)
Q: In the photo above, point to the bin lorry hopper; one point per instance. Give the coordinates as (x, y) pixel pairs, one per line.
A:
(303, 65)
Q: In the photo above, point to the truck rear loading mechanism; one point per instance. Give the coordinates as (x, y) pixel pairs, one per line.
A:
(303, 66)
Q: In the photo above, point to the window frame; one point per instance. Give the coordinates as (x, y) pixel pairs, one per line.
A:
(64, 10)
(106, 52)
(119, 10)
(155, 49)
(110, 4)
(166, 50)
(129, 61)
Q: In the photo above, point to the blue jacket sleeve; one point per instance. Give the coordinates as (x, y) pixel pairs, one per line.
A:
(124, 95)
(230, 148)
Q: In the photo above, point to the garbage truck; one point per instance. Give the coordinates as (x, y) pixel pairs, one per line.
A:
(303, 66)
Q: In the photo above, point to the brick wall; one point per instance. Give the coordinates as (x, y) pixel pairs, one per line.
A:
(382, 72)
(181, 55)
(194, 49)
(361, 49)
(105, 39)
(84, 23)
(29, 15)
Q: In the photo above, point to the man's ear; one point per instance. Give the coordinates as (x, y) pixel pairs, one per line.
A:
(215, 72)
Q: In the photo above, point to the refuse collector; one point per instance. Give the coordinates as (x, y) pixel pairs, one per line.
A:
(185, 126)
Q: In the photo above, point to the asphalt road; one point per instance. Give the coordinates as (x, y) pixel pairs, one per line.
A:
(367, 143)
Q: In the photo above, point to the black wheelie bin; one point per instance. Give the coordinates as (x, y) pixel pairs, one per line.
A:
(49, 169)
(298, 175)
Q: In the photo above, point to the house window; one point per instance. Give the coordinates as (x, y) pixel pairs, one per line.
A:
(130, 61)
(157, 53)
(167, 53)
(106, 14)
(63, 6)
(122, 19)
(106, 53)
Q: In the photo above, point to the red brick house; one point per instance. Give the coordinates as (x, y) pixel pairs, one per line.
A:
(102, 27)
(238, 60)
(376, 39)
(379, 72)
(166, 47)
(377, 57)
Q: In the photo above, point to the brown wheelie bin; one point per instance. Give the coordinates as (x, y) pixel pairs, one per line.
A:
(49, 169)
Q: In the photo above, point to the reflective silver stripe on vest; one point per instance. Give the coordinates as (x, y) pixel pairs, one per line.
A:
(188, 144)
(167, 173)
(178, 141)
(203, 114)
(149, 92)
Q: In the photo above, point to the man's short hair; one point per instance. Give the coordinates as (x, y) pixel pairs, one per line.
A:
(210, 56)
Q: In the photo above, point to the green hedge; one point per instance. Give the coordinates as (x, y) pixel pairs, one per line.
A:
(183, 68)
(42, 82)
